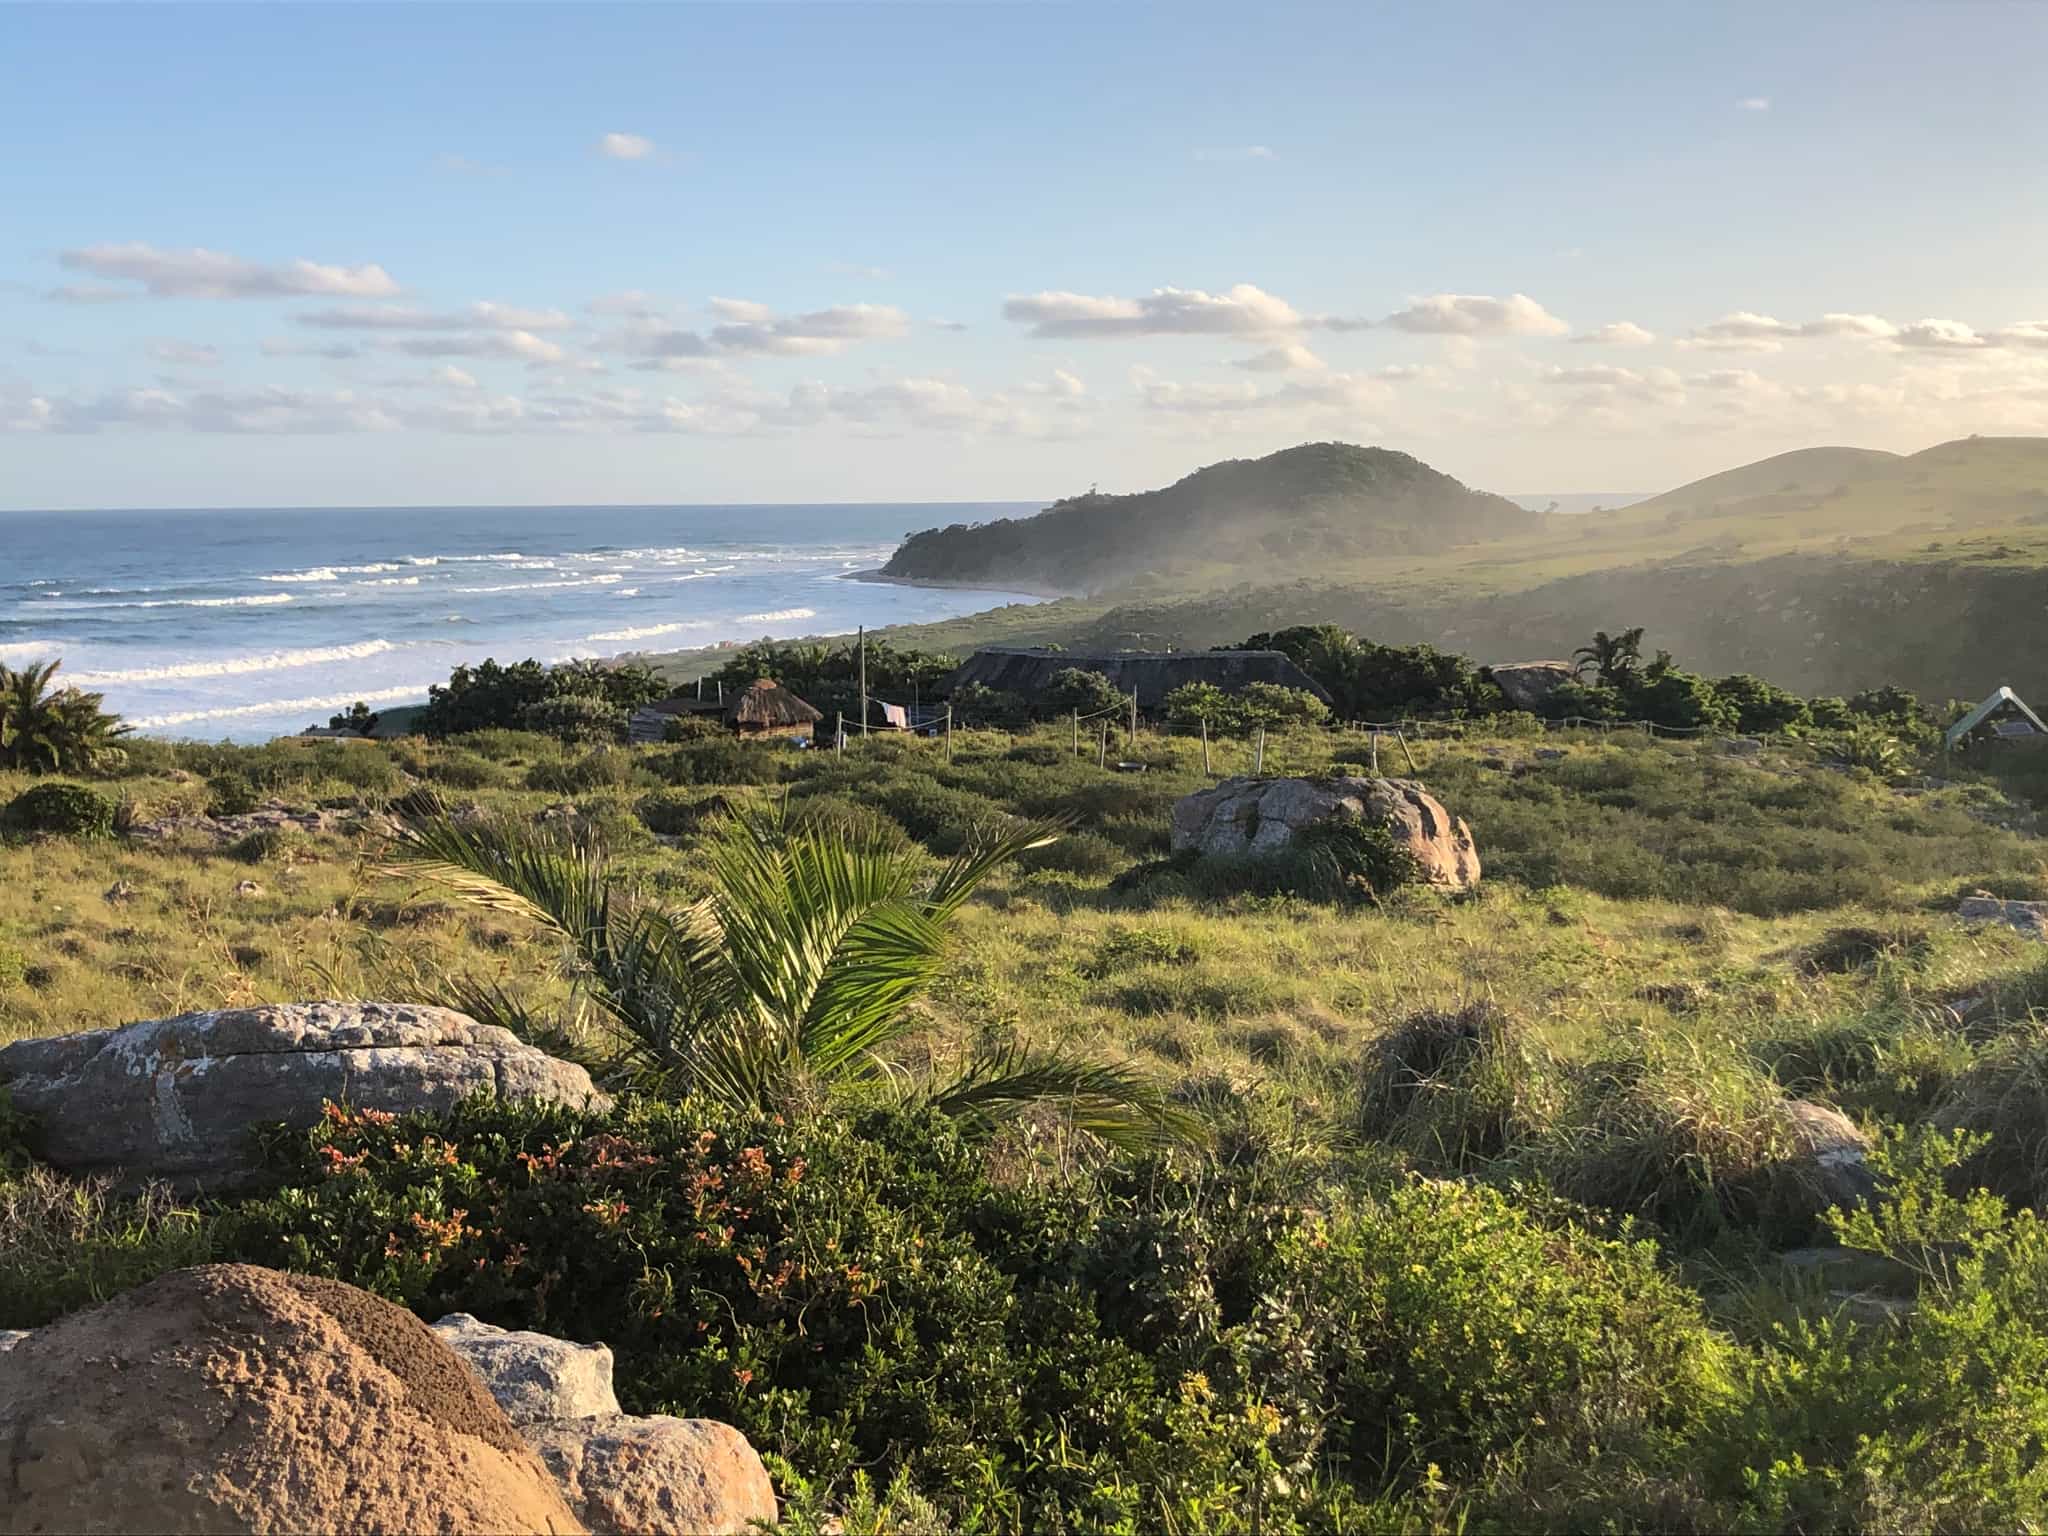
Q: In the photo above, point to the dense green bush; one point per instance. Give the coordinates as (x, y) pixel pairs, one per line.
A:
(491, 695)
(578, 719)
(1761, 708)
(70, 810)
(605, 768)
(231, 794)
(724, 760)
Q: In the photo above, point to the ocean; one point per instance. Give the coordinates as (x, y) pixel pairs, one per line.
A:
(244, 625)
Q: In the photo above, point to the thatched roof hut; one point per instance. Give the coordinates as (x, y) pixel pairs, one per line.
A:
(1155, 674)
(768, 706)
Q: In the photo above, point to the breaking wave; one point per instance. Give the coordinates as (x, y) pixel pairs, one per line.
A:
(235, 666)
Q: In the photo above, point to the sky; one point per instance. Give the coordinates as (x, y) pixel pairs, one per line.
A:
(365, 255)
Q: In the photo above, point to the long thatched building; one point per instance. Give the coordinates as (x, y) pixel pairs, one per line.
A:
(1155, 674)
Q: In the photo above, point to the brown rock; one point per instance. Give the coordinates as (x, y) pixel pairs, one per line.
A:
(232, 1398)
(656, 1476)
(1528, 683)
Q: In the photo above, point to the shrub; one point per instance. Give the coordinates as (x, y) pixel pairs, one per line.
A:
(462, 768)
(262, 844)
(678, 729)
(70, 810)
(230, 794)
(1761, 708)
(605, 768)
(1458, 1088)
(725, 760)
(1087, 854)
(1072, 688)
(575, 718)
(673, 813)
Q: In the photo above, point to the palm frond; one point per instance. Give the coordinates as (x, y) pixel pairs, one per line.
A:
(504, 866)
(1121, 1106)
(979, 859)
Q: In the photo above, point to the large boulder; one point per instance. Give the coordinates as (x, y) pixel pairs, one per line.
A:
(533, 1376)
(1528, 684)
(173, 1098)
(656, 1476)
(1835, 1151)
(2027, 917)
(1258, 816)
(231, 1398)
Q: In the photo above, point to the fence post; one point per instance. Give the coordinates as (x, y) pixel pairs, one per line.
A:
(1375, 751)
(1404, 750)
(1259, 754)
(839, 732)
(1077, 733)
(1134, 719)
(949, 733)
(1102, 752)
(1205, 746)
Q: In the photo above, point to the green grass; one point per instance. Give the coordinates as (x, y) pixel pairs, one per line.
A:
(1671, 945)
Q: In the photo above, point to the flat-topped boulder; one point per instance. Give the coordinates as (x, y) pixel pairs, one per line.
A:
(1261, 816)
(1527, 684)
(174, 1098)
(626, 1475)
(2028, 917)
(533, 1376)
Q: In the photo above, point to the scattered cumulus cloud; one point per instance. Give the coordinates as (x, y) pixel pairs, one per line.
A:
(197, 273)
(749, 328)
(1240, 311)
(1616, 333)
(1236, 154)
(1753, 104)
(90, 293)
(1477, 314)
(520, 346)
(401, 317)
(1286, 359)
(1942, 335)
(185, 354)
(625, 146)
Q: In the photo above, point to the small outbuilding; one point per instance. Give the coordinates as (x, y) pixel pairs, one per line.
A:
(2007, 716)
(767, 706)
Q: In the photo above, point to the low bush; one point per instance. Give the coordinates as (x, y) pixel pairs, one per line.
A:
(723, 760)
(575, 719)
(231, 794)
(605, 768)
(67, 810)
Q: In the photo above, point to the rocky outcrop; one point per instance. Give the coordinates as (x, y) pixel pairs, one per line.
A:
(174, 1098)
(656, 1476)
(231, 1398)
(533, 1376)
(1528, 684)
(271, 816)
(2028, 917)
(1259, 816)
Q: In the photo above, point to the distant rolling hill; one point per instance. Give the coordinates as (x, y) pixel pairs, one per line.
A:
(1282, 516)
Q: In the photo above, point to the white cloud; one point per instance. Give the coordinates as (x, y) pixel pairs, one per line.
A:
(1746, 331)
(1340, 394)
(403, 317)
(751, 328)
(1237, 154)
(2023, 333)
(1754, 104)
(522, 346)
(185, 354)
(197, 273)
(1874, 327)
(1649, 384)
(1239, 311)
(282, 346)
(625, 146)
(1616, 333)
(1294, 356)
(451, 377)
(1942, 335)
(90, 293)
(265, 410)
(633, 304)
(1477, 314)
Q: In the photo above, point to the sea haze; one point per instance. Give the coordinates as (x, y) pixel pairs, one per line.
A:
(248, 624)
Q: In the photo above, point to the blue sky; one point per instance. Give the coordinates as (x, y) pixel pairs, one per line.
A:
(357, 254)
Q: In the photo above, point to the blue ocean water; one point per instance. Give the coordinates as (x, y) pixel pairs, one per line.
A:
(248, 624)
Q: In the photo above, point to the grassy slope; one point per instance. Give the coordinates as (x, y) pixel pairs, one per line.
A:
(1921, 570)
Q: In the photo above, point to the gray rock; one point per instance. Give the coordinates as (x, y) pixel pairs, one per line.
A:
(1528, 683)
(1742, 746)
(656, 1476)
(2028, 917)
(534, 1376)
(1836, 1148)
(1259, 816)
(9, 1337)
(173, 1098)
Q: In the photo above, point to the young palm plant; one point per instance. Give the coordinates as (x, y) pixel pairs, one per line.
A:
(793, 975)
(53, 730)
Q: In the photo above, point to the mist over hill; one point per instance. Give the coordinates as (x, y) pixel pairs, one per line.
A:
(1287, 514)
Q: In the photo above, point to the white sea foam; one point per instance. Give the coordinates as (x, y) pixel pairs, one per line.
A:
(32, 650)
(235, 666)
(281, 706)
(648, 631)
(390, 581)
(267, 600)
(546, 586)
(778, 616)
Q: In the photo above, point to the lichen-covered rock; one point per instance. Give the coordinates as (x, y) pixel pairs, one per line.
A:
(1838, 1151)
(533, 1376)
(174, 1098)
(9, 1337)
(232, 1398)
(656, 1476)
(2027, 917)
(1528, 683)
(1257, 816)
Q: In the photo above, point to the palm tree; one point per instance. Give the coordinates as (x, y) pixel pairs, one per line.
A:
(53, 730)
(793, 975)
(1612, 658)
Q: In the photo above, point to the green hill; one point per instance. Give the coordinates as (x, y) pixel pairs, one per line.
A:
(1291, 512)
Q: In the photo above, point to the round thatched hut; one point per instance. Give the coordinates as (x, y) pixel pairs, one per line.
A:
(768, 706)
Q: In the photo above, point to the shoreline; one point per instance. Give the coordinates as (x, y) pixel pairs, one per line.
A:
(1022, 588)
